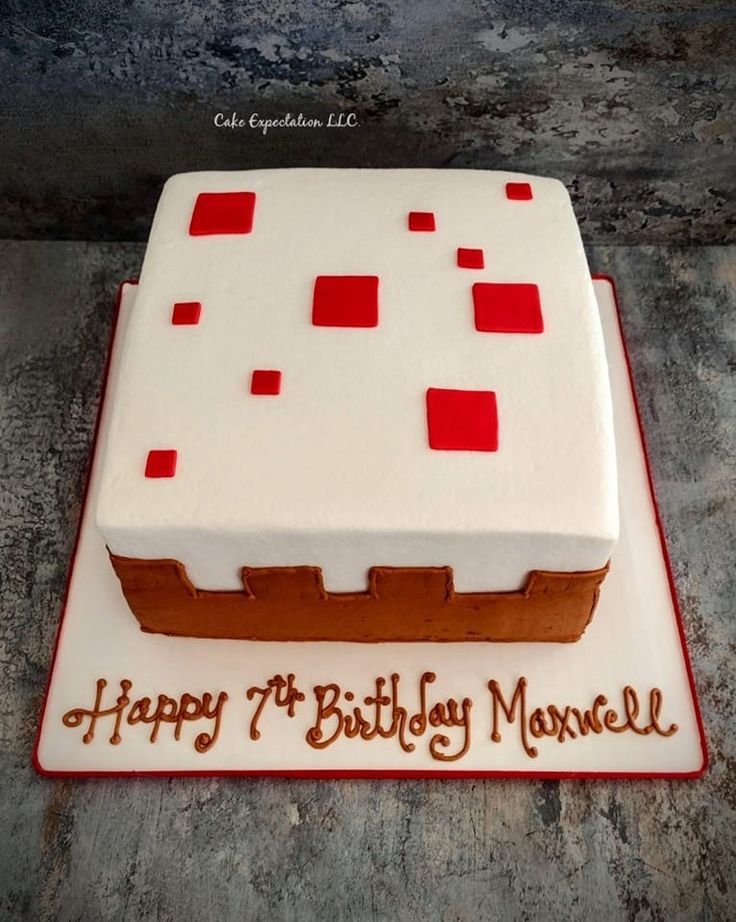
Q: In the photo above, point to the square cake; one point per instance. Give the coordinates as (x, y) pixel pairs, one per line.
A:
(362, 405)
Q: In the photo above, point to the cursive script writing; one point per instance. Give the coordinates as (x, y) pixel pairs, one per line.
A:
(177, 711)
(287, 695)
(385, 717)
(334, 713)
(264, 124)
(569, 722)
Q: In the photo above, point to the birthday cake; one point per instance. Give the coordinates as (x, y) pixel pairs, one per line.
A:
(362, 405)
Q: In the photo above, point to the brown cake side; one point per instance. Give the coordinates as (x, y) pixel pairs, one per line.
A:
(401, 604)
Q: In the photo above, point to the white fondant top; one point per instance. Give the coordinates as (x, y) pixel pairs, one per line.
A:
(336, 470)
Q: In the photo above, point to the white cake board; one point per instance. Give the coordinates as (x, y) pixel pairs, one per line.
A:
(635, 639)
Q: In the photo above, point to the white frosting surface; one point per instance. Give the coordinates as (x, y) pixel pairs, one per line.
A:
(336, 470)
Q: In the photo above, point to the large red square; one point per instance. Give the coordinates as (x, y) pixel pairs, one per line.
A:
(266, 382)
(345, 301)
(506, 307)
(462, 420)
(161, 463)
(223, 213)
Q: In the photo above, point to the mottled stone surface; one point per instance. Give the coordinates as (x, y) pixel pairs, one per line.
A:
(632, 104)
(267, 849)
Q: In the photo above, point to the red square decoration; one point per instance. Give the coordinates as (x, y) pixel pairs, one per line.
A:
(421, 221)
(506, 307)
(462, 420)
(265, 382)
(223, 213)
(345, 301)
(519, 191)
(161, 463)
(186, 313)
(468, 258)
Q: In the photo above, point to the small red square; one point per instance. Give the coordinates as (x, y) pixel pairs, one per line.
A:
(421, 221)
(223, 213)
(504, 307)
(519, 191)
(265, 382)
(345, 301)
(161, 463)
(186, 313)
(462, 420)
(469, 258)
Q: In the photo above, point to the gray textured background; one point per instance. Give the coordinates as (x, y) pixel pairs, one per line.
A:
(631, 103)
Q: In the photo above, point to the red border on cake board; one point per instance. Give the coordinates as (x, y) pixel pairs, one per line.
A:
(336, 774)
